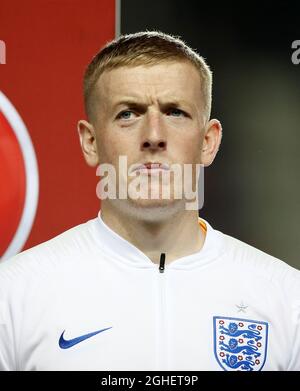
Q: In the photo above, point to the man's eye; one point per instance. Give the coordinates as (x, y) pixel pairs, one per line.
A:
(126, 114)
(176, 112)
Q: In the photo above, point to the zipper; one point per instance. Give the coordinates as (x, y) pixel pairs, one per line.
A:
(162, 351)
(162, 262)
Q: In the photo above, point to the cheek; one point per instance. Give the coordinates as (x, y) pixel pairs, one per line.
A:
(187, 149)
(111, 148)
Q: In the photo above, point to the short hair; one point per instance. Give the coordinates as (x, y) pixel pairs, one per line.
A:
(144, 48)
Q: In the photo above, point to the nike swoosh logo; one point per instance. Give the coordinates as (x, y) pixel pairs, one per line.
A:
(66, 344)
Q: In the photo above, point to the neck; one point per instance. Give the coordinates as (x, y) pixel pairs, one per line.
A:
(177, 236)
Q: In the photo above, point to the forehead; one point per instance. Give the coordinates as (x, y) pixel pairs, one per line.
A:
(168, 80)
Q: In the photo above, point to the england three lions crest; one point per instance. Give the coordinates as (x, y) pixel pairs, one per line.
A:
(240, 344)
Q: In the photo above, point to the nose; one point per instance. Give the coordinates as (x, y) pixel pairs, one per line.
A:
(154, 135)
(153, 145)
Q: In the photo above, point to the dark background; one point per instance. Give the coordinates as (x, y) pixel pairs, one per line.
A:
(252, 190)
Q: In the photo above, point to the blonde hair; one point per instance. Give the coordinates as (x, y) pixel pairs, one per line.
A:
(144, 48)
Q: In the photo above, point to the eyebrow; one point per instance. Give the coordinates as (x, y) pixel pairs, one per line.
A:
(136, 103)
(128, 102)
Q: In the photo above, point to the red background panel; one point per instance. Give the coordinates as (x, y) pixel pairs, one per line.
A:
(48, 46)
(12, 184)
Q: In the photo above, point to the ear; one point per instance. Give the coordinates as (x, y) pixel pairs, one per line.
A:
(211, 141)
(88, 144)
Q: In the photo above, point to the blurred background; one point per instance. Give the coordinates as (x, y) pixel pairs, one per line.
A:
(252, 190)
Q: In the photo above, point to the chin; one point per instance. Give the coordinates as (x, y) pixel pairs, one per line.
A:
(150, 210)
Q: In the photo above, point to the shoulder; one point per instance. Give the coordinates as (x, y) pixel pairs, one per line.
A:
(256, 262)
(65, 247)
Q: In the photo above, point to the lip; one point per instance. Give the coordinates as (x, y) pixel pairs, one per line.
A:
(151, 167)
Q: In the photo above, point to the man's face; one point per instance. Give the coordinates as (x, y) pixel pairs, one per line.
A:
(149, 114)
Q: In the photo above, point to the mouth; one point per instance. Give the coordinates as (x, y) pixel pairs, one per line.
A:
(151, 168)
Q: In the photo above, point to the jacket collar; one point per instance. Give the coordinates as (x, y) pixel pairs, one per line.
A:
(123, 250)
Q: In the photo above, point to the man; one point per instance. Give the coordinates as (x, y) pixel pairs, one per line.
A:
(148, 285)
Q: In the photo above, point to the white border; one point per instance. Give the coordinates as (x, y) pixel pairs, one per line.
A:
(117, 18)
(32, 177)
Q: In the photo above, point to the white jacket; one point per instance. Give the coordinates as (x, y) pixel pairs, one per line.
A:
(90, 300)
